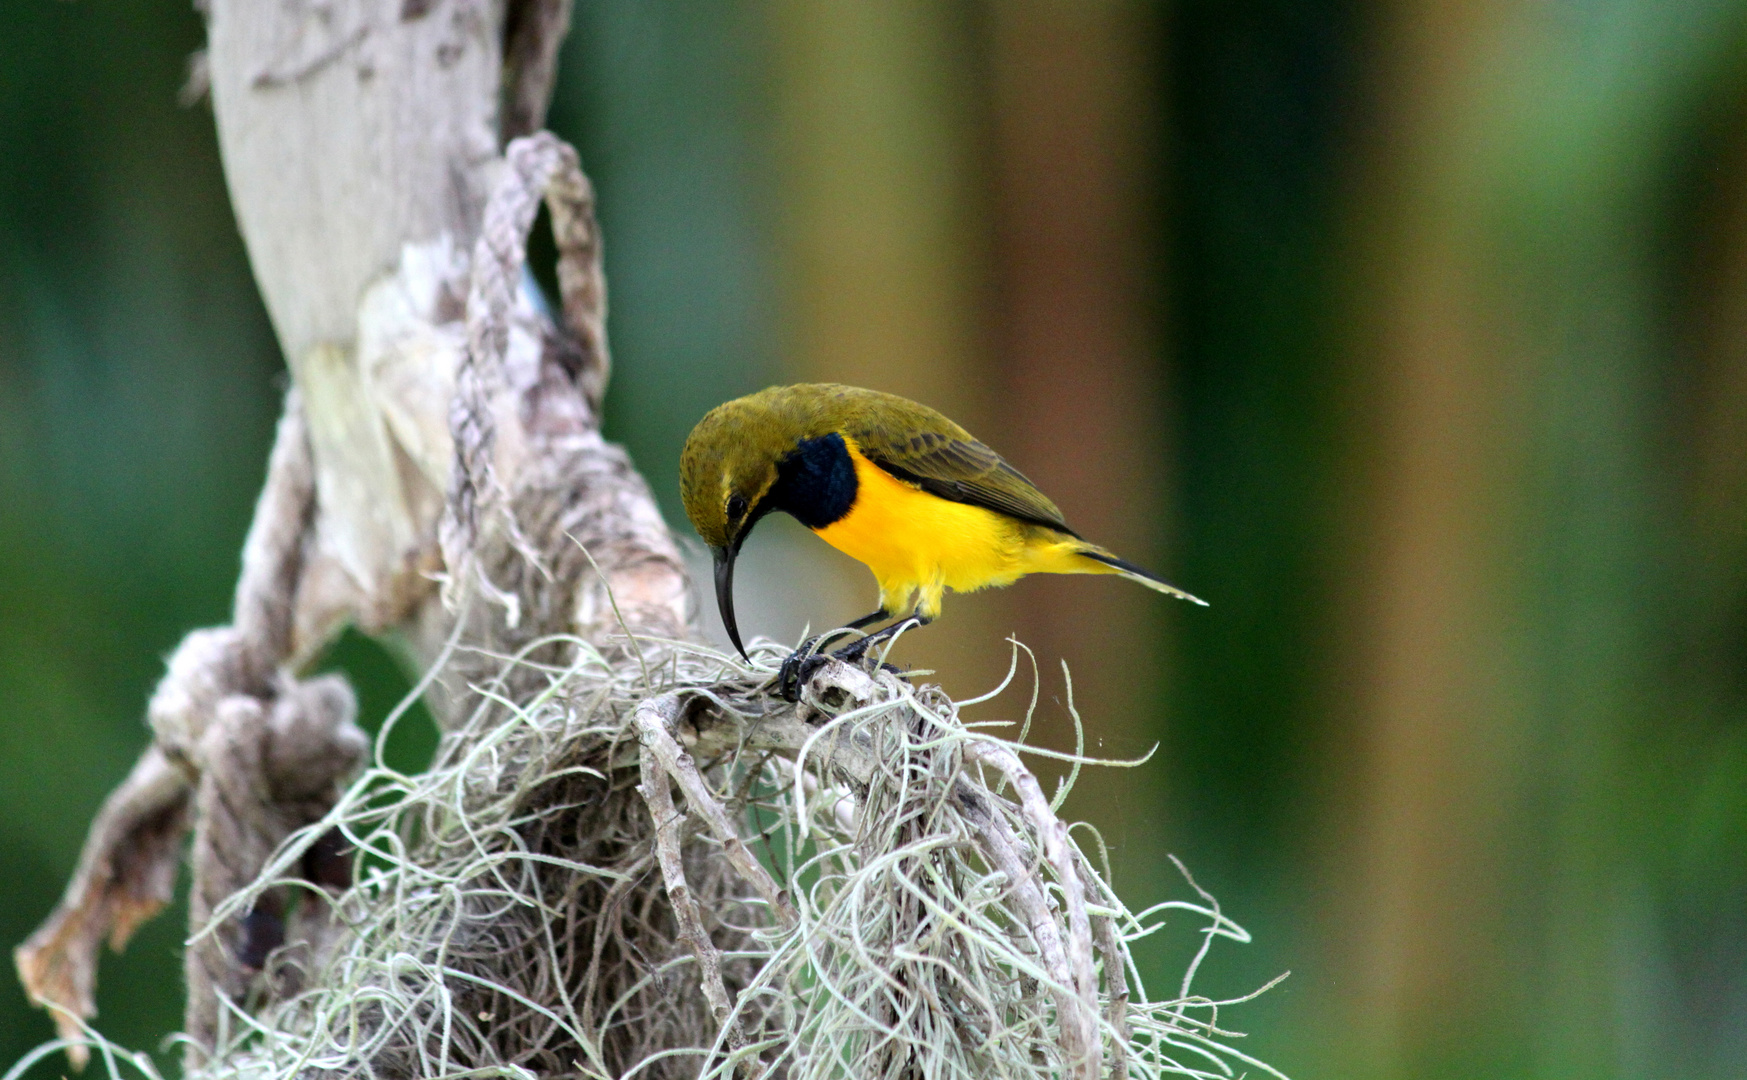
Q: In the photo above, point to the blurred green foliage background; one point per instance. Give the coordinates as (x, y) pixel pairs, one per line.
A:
(1413, 335)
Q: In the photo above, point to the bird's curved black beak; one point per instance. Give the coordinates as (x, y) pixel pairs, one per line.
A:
(725, 592)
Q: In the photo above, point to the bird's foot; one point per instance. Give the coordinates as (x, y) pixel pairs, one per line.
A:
(798, 667)
(805, 661)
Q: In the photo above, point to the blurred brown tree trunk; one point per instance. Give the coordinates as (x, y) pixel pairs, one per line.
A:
(1417, 888)
(1078, 369)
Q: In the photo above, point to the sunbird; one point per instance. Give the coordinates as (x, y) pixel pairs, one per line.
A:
(887, 481)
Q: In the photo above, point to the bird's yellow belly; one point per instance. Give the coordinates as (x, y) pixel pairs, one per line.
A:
(918, 545)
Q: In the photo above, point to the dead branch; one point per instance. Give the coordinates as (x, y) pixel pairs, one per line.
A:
(126, 874)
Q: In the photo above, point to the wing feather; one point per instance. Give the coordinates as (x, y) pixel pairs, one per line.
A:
(944, 460)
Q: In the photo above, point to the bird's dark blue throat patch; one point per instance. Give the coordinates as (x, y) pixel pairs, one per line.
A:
(815, 482)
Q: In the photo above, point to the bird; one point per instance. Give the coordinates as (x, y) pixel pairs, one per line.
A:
(888, 481)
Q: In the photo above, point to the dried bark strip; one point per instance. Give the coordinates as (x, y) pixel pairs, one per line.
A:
(653, 721)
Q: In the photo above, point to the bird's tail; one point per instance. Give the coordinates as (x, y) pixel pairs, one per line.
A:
(1110, 564)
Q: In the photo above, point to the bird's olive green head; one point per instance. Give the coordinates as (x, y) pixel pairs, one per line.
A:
(727, 468)
(731, 458)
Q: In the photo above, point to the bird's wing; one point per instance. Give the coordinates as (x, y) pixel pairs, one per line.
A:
(955, 466)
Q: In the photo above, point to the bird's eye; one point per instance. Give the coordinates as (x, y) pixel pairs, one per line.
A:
(736, 507)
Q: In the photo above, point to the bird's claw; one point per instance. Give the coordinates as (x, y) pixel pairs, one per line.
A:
(797, 668)
(805, 661)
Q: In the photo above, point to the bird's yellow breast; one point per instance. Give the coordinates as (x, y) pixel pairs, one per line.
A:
(918, 544)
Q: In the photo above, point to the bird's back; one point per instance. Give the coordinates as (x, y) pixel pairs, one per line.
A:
(917, 445)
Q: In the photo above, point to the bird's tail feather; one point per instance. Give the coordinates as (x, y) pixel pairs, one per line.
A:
(1137, 573)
